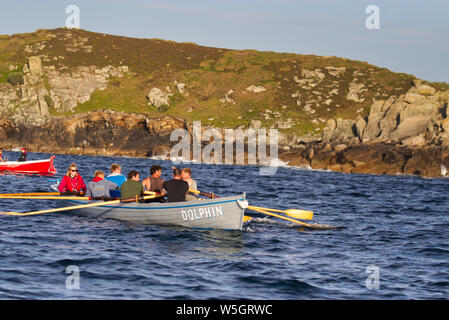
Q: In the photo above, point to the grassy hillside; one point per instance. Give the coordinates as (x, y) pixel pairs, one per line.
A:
(208, 74)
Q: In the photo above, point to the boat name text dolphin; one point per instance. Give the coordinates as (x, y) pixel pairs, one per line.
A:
(202, 213)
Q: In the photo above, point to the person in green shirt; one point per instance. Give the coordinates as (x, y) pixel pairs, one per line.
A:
(133, 187)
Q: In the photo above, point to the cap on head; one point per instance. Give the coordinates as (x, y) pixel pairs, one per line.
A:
(24, 150)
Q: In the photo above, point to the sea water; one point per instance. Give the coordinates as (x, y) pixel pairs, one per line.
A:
(393, 244)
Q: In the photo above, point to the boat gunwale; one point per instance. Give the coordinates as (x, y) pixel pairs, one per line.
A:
(124, 205)
(24, 162)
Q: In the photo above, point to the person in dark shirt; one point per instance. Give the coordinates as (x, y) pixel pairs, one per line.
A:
(23, 155)
(176, 188)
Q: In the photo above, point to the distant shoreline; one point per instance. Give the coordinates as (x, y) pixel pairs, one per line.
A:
(283, 164)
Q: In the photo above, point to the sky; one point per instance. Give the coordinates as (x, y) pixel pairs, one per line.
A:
(413, 35)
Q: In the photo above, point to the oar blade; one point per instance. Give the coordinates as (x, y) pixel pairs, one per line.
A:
(5, 213)
(299, 214)
(246, 218)
(294, 213)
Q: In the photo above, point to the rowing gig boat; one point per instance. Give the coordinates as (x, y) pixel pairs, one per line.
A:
(222, 213)
(44, 167)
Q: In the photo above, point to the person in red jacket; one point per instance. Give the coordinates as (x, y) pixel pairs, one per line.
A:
(72, 182)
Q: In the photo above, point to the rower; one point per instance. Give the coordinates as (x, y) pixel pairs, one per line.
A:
(117, 177)
(176, 188)
(1, 152)
(154, 181)
(133, 186)
(72, 182)
(186, 175)
(99, 187)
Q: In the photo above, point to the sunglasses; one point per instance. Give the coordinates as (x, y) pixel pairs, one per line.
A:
(76, 170)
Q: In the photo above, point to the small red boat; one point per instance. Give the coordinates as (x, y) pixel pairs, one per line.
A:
(45, 167)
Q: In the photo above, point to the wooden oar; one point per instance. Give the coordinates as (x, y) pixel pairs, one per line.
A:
(35, 194)
(312, 226)
(32, 194)
(59, 198)
(68, 193)
(294, 213)
(46, 197)
(254, 208)
(96, 204)
(209, 195)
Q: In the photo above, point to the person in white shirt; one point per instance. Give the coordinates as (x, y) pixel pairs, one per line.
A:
(186, 175)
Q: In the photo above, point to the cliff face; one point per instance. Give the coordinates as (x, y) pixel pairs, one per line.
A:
(95, 133)
(404, 135)
(73, 91)
(416, 118)
(46, 89)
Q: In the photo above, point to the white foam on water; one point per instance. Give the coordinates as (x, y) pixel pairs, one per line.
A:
(443, 170)
(276, 162)
(161, 157)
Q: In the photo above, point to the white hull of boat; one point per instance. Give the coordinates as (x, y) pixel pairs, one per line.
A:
(220, 213)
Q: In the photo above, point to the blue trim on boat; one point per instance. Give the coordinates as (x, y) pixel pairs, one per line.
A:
(212, 229)
(158, 208)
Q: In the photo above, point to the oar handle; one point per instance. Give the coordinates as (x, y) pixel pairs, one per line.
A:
(75, 193)
(140, 198)
(209, 195)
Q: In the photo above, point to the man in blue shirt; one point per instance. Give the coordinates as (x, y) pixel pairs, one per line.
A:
(117, 177)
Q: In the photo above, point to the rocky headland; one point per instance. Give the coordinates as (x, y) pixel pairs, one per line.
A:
(73, 91)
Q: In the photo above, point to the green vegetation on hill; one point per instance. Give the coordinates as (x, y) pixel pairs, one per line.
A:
(305, 90)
